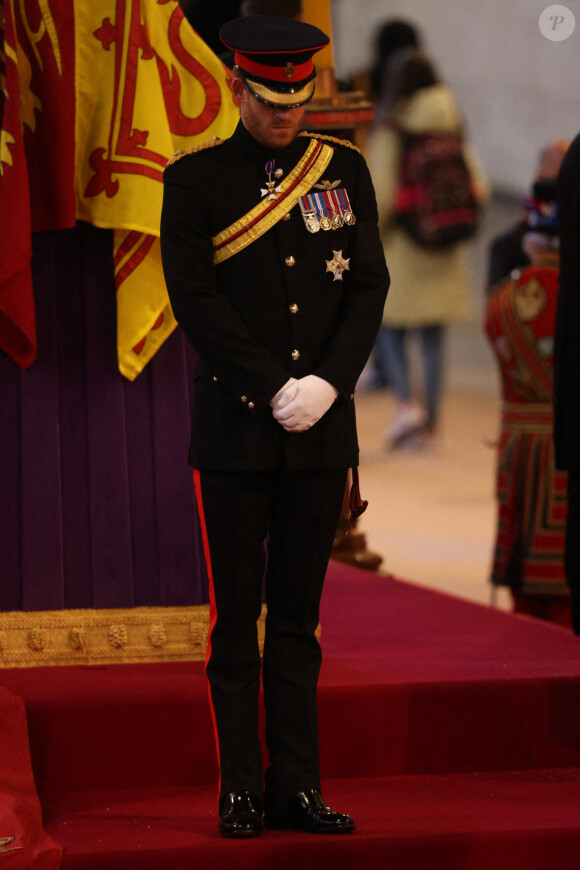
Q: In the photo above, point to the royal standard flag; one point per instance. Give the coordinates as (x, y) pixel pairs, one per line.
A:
(94, 99)
(147, 85)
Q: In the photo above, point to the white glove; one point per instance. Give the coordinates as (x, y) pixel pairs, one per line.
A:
(312, 399)
(284, 394)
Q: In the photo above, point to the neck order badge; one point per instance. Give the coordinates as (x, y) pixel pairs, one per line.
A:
(271, 190)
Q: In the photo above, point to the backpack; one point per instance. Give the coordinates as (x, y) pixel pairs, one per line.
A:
(434, 200)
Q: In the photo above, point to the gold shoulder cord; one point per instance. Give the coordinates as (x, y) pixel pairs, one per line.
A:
(345, 142)
(193, 149)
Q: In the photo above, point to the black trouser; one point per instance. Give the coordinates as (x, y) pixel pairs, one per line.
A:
(572, 551)
(297, 512)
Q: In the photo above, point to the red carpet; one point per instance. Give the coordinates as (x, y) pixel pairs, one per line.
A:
(450, 731)
(23, 842)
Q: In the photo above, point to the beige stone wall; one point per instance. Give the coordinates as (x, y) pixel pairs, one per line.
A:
(517, 89)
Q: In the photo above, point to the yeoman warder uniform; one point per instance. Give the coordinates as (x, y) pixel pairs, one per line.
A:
(276, 273)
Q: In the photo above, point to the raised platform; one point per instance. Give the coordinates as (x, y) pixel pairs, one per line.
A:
(448, 730)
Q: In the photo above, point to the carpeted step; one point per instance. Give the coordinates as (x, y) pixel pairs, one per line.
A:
(413, 682)
(149, 726)
(505, 821)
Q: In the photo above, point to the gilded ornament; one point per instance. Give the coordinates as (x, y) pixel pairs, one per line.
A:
(77, 639)
(118, 636)
(36, 639)
(157, 635)
(198, 633)
(103, 636)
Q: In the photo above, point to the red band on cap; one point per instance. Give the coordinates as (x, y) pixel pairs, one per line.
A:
(275, 73)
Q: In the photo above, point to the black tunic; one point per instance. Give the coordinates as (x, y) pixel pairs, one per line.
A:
(567, 334)
(247, 316)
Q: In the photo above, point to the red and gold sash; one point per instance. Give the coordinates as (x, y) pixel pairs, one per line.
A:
(267, 213)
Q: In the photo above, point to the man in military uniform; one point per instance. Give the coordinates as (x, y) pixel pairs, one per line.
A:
(567, 364)
(276, 274)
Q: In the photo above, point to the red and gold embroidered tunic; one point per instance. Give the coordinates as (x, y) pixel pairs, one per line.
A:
(519, 322)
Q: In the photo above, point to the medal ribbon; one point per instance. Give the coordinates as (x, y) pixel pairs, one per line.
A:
(267, 213)
(325, 204)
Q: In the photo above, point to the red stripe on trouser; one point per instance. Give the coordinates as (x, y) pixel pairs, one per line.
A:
(212, 604)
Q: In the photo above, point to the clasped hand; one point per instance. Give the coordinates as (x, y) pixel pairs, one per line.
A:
(301, 403)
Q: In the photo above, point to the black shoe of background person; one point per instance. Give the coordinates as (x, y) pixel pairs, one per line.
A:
(308, 812)
(240, 815)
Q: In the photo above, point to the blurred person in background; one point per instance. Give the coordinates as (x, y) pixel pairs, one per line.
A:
(531, 494)
(506, 251)
(430, 284)
(391, 37)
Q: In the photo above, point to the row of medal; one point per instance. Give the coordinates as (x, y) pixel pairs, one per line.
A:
(327, 210)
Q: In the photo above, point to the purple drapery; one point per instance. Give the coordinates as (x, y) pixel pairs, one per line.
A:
(97, 505)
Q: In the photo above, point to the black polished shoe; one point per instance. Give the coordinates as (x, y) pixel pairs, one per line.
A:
(308, 812)
(240, 815)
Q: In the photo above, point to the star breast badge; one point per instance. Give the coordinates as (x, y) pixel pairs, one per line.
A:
(337, 265)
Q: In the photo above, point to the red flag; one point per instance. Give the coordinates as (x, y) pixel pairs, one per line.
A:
(17, 324)
(46, 40)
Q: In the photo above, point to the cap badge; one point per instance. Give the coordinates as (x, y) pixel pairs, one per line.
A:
(271, 191)
(337, 265)
(289, 72)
